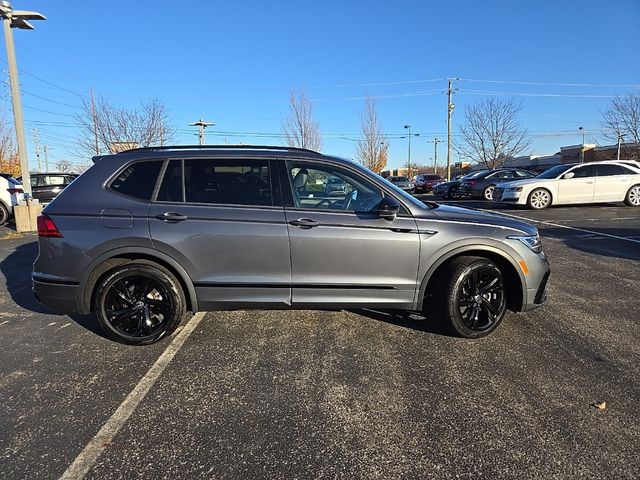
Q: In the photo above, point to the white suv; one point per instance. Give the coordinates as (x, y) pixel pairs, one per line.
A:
(10, 195)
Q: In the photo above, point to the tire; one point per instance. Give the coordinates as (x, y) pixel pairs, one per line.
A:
(4, 214)
(538, 199)
(632, 198)
(148, 298)
(451, 194)
(459, 301)
(487, 192)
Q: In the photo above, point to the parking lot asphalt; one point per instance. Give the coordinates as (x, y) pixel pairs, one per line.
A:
(362, 394)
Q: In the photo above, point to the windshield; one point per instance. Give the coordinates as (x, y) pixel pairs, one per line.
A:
(553, 172)
(397, 179)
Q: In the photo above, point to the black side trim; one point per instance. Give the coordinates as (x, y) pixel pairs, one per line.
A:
(37, 278)
(288, 285)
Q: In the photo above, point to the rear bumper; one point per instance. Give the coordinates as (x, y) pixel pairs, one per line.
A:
(61, 297)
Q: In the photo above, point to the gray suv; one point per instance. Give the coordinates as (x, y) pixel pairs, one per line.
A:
(147, 235)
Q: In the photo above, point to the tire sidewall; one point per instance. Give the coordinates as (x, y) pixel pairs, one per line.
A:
(627, 197)
(454, 292)
(530, 204)
(486, 190)
(4, 214)
(163, 277)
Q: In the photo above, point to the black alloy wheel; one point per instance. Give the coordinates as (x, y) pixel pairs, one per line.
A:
(472, 297)
(139, 303)
(452, 193)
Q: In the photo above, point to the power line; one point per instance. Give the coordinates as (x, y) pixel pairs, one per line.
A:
(376, 84)
(555, 84)
(524, 94)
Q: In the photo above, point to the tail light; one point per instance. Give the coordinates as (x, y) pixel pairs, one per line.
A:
(47, 227)
(471, 182)
(14, 191)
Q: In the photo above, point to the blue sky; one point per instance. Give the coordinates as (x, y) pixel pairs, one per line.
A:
(234, 63)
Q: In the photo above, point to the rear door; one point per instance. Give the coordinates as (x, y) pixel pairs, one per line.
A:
(612, 182)
(580, 188)
(342, 253)
(222, 219)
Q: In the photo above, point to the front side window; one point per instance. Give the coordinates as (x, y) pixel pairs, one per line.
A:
(138, 180)
(228, 182)
(584, 172)
(311, 188)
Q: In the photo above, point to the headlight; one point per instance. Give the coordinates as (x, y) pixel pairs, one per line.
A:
(531, 241)
(514, 189)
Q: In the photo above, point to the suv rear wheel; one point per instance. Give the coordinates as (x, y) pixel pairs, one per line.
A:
(4, 214)
(139, 303)
(471, 296)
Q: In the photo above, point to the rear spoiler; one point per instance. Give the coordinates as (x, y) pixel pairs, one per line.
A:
(97, 158)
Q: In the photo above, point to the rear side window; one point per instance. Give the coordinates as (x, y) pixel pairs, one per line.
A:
(609, 170)
(138, 180)
(171, 187)
(228, 182)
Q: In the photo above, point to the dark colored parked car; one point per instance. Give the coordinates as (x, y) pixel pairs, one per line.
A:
(335, 186)
(46, 186)
(425, 182)
(450, 189)
(483, 184)
(147, 235)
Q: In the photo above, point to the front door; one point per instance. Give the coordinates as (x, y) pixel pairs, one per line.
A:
(225, 225)
(342, 253)
(580, 188)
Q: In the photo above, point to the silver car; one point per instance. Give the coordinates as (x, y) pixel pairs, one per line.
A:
(148, 235)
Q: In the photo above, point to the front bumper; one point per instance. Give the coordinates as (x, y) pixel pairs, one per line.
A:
(507, 196)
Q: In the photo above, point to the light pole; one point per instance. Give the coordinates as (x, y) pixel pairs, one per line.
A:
(17, 19)
(582, 148)
(620, 137)
(409, 153)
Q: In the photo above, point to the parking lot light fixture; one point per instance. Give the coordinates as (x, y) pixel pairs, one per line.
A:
(582, 147)
(620, 137)
(17, 19)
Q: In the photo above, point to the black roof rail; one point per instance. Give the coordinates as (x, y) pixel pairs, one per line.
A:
(220, 147)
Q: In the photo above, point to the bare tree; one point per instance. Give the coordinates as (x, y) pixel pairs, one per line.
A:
(373, 149)
(622, 120)
(64, 166)
(299, 128)
(491, 133)
(105, 126)
(9, 161)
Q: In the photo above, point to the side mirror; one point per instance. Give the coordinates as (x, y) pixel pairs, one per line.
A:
(388, 208)
(569, 175)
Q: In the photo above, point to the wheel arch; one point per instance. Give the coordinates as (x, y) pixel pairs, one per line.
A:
(113, 258)
(515, 284)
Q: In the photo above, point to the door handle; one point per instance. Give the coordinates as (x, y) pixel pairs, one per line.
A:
(589, 183)
(171, 217)
(304, 223)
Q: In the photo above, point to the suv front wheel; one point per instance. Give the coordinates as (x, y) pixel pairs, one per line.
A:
(139, 303)
(471, 296)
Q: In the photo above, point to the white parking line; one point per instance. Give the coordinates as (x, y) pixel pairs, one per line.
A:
(551, 224)
(4, 323)
(87, 458)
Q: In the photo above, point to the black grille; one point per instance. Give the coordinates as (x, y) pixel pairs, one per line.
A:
(541, 295)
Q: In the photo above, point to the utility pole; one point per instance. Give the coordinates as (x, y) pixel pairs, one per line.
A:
(201, 124)
(46, 158)
(582, 147)
(94, 116)
(36, 140)
(17, 19)
(620, 137)
(450, 107)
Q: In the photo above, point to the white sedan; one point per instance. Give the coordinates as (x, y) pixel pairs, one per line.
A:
(594, 182)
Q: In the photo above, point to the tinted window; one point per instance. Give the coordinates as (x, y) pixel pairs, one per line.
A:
(584, 172)
(171, 187)
(608, 170)
(230, 182)
(309, 189)
(554, 172)
(138, 180)
(524, 174)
